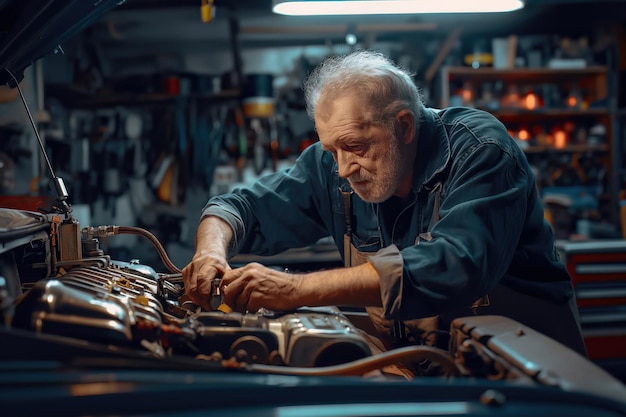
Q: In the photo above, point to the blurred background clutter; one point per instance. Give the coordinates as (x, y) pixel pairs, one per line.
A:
(163, 103)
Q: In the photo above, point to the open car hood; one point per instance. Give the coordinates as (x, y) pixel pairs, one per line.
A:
(84, 334)
(30, 29)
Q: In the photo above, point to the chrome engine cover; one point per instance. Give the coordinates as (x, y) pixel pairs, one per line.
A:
(72, 290)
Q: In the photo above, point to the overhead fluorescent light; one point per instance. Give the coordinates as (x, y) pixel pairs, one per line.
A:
(358, 7)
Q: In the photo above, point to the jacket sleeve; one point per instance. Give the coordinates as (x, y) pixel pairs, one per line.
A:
(282, 210)
(481, 219)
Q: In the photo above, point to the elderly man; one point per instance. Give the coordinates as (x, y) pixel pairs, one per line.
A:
(435, 213)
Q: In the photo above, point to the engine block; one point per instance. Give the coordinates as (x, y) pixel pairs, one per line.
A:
(126, 304)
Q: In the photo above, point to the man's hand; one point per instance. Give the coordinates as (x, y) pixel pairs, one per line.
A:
(198, 275)
(254, 286)
(209, 260)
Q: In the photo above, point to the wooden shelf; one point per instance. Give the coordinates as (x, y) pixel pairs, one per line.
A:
(593, 80)
(524, 74)
(551, 113)
(567, 149)
(518, 116)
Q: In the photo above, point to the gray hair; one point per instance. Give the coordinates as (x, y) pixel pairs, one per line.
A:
(385, 87)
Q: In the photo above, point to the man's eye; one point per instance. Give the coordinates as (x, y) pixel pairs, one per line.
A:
(355, 148)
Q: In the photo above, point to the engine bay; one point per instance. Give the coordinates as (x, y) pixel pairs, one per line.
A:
(60, 290)
(64, 301)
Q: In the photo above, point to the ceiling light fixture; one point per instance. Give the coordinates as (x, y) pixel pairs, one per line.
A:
(358, 7)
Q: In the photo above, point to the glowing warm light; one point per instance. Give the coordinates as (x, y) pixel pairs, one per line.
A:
(560, 139)
(523, 134)
(101, 388)
(572, 101)
(530, 101)
(357, 7)
(467, 95)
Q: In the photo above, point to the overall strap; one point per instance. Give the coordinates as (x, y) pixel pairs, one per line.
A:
(347, 219)
(435, 217)
(437, 203)
(396, 328)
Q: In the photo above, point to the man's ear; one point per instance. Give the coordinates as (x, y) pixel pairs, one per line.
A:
(406, 126)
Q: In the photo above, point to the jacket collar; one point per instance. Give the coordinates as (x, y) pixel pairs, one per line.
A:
(433, 150)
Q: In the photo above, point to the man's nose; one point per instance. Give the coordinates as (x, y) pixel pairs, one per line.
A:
(346, 164)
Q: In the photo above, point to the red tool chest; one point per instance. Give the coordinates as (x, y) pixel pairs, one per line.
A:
(598, 271)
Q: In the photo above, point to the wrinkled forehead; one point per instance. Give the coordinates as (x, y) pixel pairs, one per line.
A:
(333, 101)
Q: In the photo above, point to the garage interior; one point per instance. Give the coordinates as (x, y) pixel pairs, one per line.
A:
(144, 116)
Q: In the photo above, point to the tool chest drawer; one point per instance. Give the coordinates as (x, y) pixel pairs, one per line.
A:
(598, 271)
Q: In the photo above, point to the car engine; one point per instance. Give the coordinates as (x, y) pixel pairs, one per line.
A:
(58, 282)
(64, 301)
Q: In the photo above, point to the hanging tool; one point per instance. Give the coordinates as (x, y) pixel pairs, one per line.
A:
(259, 154)
(274, 144)
(243, 143)
(215, 142)
(207, 11)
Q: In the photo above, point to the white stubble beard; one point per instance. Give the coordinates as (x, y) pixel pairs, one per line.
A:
(386, 182)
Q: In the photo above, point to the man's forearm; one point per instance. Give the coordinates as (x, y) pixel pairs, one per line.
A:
(213, 236)
(354, 286)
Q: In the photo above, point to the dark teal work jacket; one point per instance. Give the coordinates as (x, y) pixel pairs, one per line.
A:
(491, 226)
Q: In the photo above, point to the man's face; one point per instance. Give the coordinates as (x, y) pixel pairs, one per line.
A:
(368, 156)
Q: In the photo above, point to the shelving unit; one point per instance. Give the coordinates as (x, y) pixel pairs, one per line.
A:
(562, 119)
